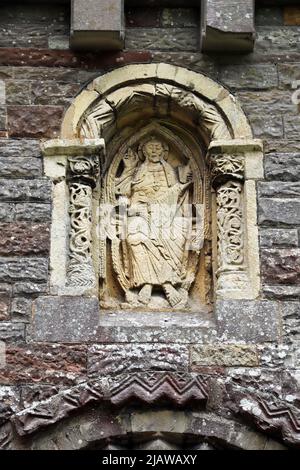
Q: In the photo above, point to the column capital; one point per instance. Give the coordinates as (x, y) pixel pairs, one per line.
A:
(235, 160)
(72, 147)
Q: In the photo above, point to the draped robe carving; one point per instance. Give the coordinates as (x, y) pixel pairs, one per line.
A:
(154, 226)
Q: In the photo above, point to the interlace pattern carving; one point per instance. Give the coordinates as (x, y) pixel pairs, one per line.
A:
(83, 174)
(230, 225)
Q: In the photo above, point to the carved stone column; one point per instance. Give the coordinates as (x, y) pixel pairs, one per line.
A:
(73, 165)
(227, 172)
(232, 165)
(83, 173)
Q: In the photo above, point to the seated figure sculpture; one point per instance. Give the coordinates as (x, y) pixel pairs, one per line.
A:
(155, 197)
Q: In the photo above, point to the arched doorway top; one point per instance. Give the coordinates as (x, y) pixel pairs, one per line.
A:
(190, 83)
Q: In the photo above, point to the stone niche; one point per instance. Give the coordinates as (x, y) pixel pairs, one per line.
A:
(154, 194)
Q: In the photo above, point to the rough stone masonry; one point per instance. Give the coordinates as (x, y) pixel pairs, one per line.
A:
(74, 376)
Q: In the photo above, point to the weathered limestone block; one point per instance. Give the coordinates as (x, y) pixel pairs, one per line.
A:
(5, 293)
(53, 92)
(228, 355)
(20, 167)
(33, 212)
(116, 358)
(31, 394)
(21, 309)
(274, 355)
(281, 292)
(281, 266)
(12, 333)
(196, 61)
(61, 42)
(21, 238)
(267, 16)
(288, 73)
(282, 167)
(291, 321)
(277, 39)
(25, 190)
(278, 211)
(246, 320)
(17, 92)
(74, 319)
(65, 319)
(10, 402)
(56, 364)
(28, 26)
(278, 189)
(291, 124)
(260, 76)
(164, 39)
(180, 17)
(271, 102)
(6, 212)
(32, 269)
(3, 118)
(266, 126)
(273, 237)
(97, 25)
(2, 93)
(19, 148)
(29, 288)
(227, 26)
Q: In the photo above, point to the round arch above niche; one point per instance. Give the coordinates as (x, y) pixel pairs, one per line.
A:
(209, 121)
(188, 89)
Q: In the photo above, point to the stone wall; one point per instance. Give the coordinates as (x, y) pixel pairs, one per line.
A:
(39, 77)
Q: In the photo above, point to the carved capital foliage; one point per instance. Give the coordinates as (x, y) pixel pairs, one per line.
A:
(225, 167)
(84, 169)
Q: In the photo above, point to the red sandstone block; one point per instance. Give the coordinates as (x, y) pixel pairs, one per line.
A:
(34, 121)
(22, 238)
(43, 363)
(66, 58)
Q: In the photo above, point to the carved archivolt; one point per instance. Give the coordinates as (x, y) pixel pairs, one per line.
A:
(103, 114)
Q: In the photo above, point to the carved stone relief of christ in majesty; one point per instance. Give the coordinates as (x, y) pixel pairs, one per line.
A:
(151, 250)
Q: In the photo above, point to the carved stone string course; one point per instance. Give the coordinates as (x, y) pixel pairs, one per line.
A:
(83, 173)
(227, 173)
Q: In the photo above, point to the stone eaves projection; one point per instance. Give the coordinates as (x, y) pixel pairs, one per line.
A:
(224, 26)
(97, 24)
(227, 26)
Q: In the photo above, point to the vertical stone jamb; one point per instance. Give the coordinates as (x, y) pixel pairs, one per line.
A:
(73, 165)
(233, 164)
(83, 173)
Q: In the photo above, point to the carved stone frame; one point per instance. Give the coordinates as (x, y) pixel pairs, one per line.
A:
(234, 159)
